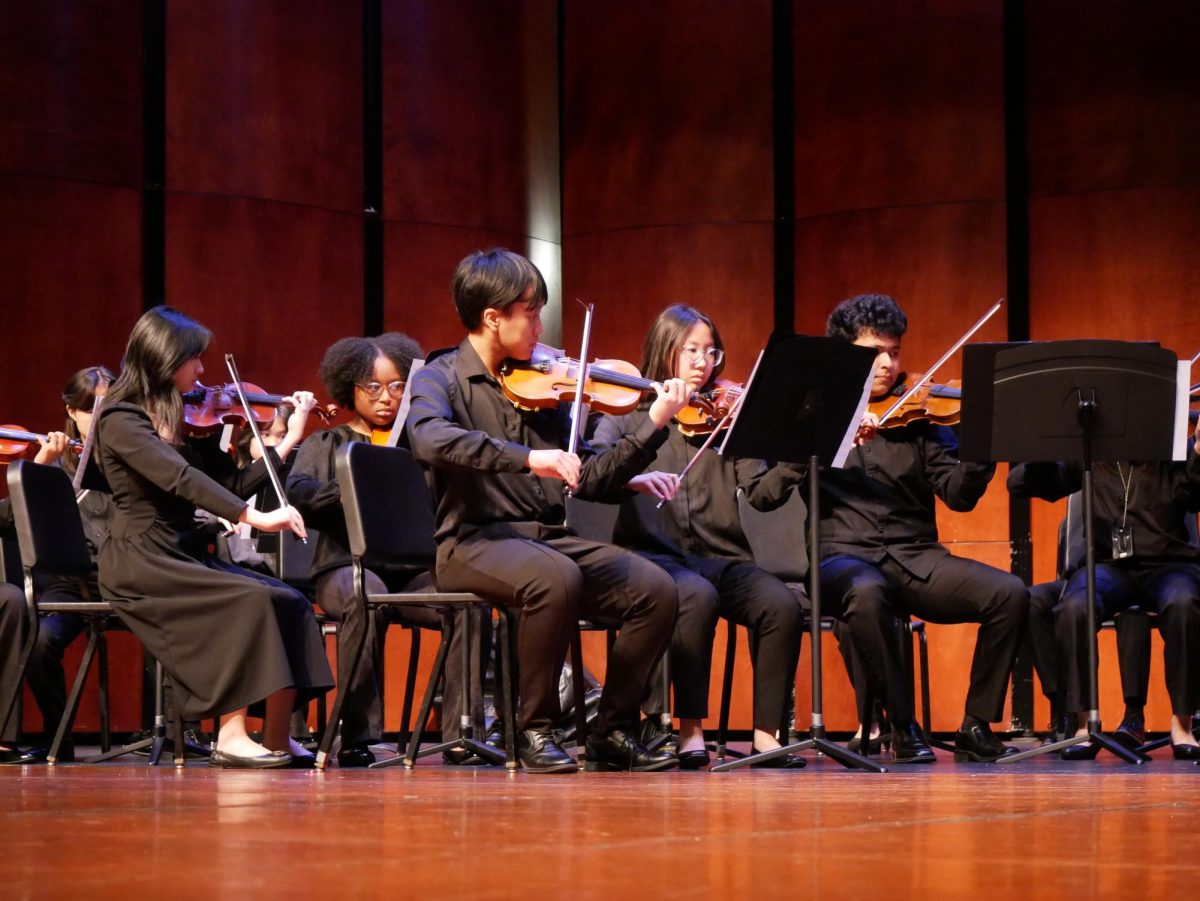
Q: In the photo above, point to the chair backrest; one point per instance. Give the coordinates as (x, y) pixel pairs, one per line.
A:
(49, 528)
(388, 506)
(778, 537)
(10, 562)
(591, 520)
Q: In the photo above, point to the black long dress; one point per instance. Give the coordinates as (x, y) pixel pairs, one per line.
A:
(226, 636)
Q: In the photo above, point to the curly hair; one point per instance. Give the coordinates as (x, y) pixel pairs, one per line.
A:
(875, 313)
(352, 360)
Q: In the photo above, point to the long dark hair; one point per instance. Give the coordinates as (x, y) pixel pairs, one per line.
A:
(161, 341)
(666, 338)
(80, 394)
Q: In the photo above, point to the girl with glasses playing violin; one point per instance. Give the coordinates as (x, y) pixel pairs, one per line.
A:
(367, 377)
(696, 536)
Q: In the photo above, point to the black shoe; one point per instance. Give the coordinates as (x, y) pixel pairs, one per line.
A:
(1185, 752)
(462, 757)
(540, 752)
(874, 745)
(270, 760)
(977, 743)
(494, 738)
(358, 754)
(1084, 751)
(620, 751)
(909, 745)
(1131, 733)
(15, 757)
(654, 736)
(786, 762)
(693, 760)
(303, 762)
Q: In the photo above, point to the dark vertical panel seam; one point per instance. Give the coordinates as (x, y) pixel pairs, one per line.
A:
(372, 156)
(784, 157)
(154, 151)
(1016, 190)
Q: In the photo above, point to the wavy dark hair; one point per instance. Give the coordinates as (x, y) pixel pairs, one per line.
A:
(494, 279)
(875, 313)
(665, 340)
(161, 341)
(352, 360)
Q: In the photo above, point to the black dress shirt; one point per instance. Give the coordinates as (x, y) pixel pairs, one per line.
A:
(477, 443)
(881, 503)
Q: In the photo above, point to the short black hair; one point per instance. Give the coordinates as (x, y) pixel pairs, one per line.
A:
(351, 360)
(875, 313)
(494, 279)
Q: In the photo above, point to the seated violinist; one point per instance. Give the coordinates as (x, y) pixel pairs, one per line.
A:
(880, 556)
(1145, 556)
(697, 537)
(499, 475)
(367, 377)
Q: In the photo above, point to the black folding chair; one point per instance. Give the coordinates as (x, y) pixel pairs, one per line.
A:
(52, 544)
(390, 520)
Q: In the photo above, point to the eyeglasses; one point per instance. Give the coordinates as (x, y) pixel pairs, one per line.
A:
(374, 390)
(713, 355)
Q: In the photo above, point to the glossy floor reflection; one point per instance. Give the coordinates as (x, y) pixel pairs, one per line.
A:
(1039, 829)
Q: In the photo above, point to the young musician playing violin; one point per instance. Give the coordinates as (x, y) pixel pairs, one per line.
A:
(880, 554)
(44, 670)
(366, 376)
(499, 476)
(228, 638)
(697, 538)
(1146, 557)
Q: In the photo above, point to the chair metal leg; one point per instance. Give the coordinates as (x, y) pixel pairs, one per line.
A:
(68, 718)
(410, 686)
(726, 689)
(581, 729)
(102, 649)
(436, 678)
(507, 692)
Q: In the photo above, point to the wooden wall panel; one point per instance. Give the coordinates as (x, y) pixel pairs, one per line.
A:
(71, 90)
(277, 283)
(265, 100)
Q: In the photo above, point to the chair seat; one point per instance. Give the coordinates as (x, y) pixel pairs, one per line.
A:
(428, 599)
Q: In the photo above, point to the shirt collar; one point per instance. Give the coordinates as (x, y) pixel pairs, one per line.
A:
(470, 366)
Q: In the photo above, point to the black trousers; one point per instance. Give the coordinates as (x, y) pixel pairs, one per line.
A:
(45, 673)
(869, 597)
(553, 578)
(1133, 647)
(362, 711)
(708, 590)
(1171, 590)
(12, 631)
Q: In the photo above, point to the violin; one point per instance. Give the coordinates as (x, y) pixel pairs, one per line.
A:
(15, 440)
(550, 377)
(939, 404)
(708, 409)
(207, 409)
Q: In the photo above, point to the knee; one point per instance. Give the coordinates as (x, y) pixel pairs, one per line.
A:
(868, 598)
(1011, 602)
(698, 605)
(1071, 611)
(1179, 603)
(558, 587)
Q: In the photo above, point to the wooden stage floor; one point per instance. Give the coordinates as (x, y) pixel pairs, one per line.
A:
(1041, 828)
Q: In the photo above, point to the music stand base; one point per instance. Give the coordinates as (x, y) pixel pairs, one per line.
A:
(1103, 739)
(844, 756)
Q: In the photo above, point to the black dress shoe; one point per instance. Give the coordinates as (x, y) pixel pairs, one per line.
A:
(303, 762)
(358, 754)
(15, 757)
(1131, 733)
(693, 760)
(270, 760)
(909, 745)
(540, 752)
(620, 751)
(462, 757)
(977, 743)
(874, 745)
(786, 762)
(1185, 752)
(1083, 751)
(652, 734)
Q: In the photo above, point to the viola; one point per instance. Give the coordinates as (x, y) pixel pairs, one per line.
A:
(940, 404)
(15, 440)
(208, 409)
(550, 377)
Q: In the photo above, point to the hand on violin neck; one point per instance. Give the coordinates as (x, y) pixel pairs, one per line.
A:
(661, 485)
(53, 446)
(867, 429)
(555, 464)
(673, 396)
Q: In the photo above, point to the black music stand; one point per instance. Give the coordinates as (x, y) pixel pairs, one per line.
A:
(805, 401)
(1064, 400)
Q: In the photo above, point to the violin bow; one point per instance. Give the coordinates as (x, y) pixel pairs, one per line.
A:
(86, 453)
(581, 379)
(920, 383)
(726, 423)
(231, 365)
